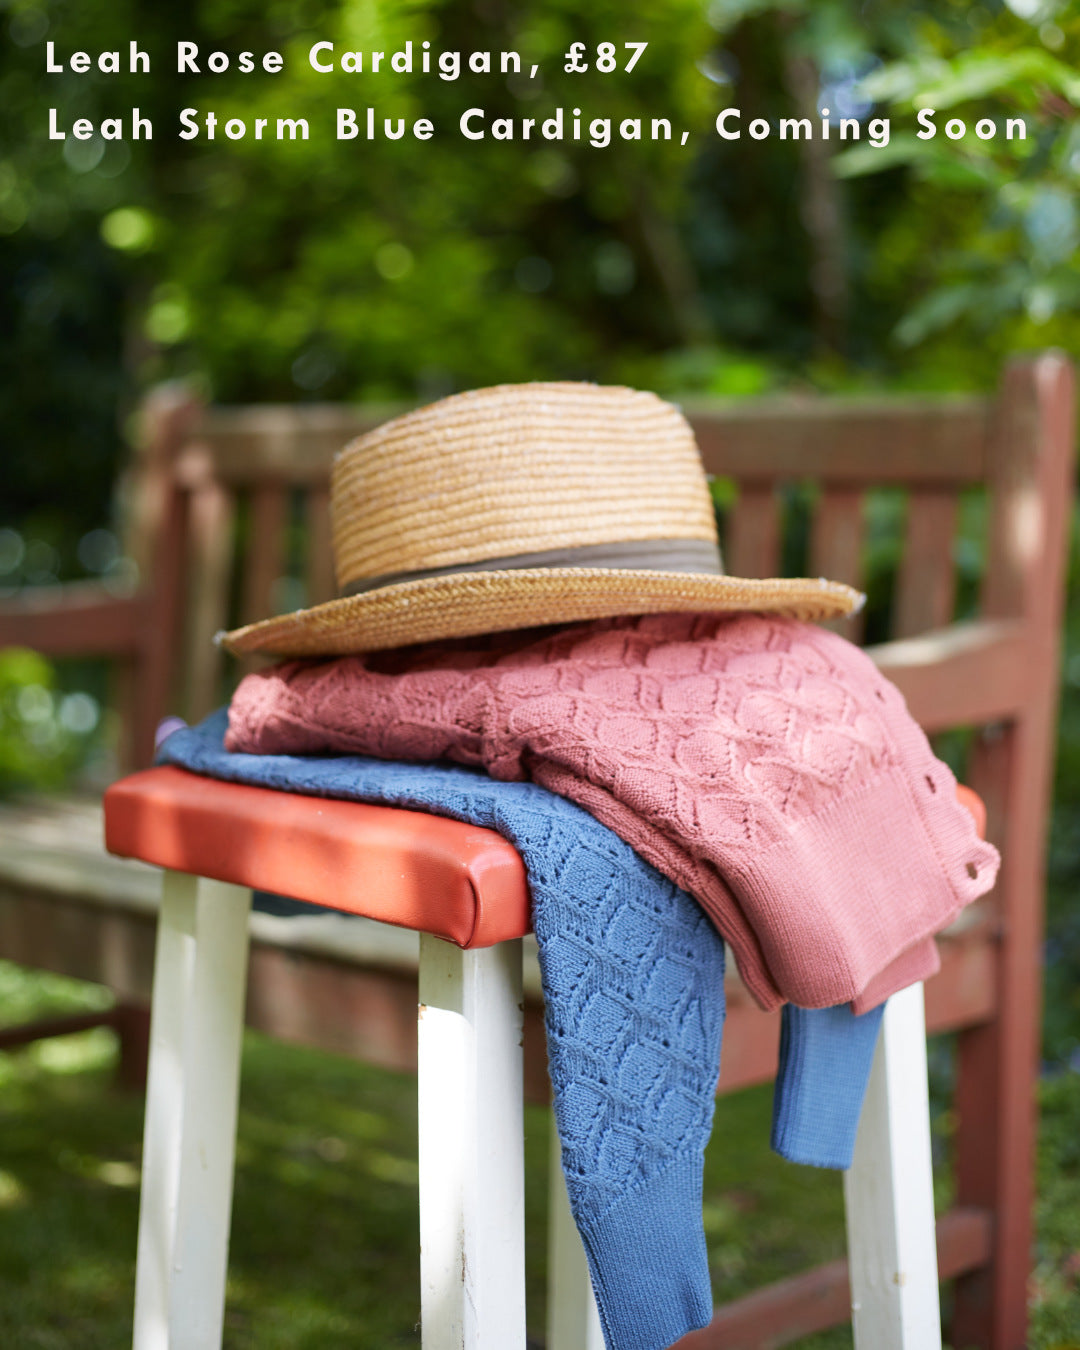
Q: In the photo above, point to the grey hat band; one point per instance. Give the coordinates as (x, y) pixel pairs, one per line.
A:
(655, 555)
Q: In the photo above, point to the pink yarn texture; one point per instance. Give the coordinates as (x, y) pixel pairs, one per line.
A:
(763, 764)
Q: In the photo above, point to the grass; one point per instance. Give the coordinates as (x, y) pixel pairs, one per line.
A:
(324, 1238)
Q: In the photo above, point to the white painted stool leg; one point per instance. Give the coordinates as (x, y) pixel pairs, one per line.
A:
(889, 1193)
(191, 1100)
(572, 1320)
(471, 1147)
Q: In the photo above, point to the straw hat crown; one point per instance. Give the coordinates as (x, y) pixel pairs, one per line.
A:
(516, 469)
(519, 506)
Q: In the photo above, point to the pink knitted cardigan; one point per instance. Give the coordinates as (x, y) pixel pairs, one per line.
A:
(763, 764)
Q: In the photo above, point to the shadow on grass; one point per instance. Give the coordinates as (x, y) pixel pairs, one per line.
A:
(324, 1246)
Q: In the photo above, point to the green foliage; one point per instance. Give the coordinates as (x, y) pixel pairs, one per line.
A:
(1055, 1286)
(341, 269)
(324, 1244)
(955, 252)
(986, 239)
(43, 735)
(356, 268)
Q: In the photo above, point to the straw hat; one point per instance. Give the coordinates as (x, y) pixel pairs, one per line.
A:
(518, 506)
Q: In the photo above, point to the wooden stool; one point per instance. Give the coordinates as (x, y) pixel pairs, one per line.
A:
(464, 889)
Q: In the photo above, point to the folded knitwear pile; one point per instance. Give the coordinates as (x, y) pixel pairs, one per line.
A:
(756, 770)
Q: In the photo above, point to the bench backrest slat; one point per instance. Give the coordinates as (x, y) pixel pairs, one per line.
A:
(294, 445)
(836, 540)
(926, 584)
(1033, 421)
(265, 556)
(752, 547)
(211, 519)
(320, 556)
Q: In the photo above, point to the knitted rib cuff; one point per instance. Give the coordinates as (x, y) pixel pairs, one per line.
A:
(908, 882)
(825, 1058)
(648, 1263)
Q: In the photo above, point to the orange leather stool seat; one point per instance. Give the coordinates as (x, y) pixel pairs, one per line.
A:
(454, 880)
(429, 873)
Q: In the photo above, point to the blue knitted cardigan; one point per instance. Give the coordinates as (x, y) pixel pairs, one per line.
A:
(633, 980)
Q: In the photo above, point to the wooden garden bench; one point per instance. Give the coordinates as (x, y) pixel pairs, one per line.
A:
(228, 522)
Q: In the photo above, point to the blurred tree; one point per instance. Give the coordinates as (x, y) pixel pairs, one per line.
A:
(923, 262)
(985, 247)
(341, 269)
(324, 268)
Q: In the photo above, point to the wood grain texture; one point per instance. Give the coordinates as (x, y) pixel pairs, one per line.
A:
(211, 526)
(293, 444)
(82, 619)
(836, 542)
(265, 557)
(926, 585)
(790, 1309)
(320, 554)
(154, 676)
(897, 440)
(969, 673)
(753, 534)
(836, 536)
(844, 441)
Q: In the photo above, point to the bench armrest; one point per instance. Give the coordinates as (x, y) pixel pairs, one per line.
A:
(80, 619)
(966, 674)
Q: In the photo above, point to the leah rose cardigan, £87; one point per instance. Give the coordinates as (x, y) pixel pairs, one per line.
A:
(762, 764)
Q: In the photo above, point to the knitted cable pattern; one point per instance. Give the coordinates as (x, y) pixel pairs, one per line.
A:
(762, 764)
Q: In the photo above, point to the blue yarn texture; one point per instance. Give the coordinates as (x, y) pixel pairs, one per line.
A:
(633, 980)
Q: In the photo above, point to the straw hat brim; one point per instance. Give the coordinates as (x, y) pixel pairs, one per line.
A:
(464, 604)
